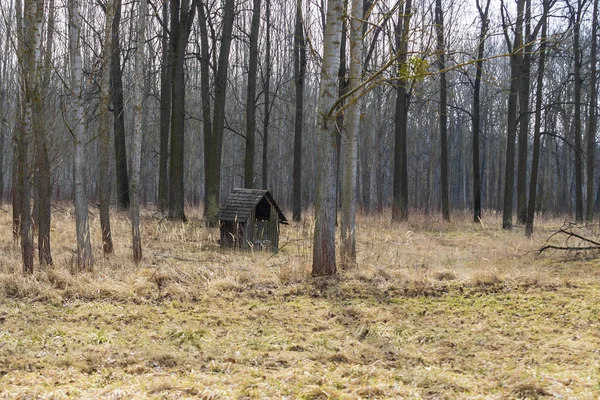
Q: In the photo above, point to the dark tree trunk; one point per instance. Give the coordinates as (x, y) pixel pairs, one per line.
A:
(299, 72)
(591, 133)
(182, 16)
(483, 14)
(524, 79)
(576, 19)
(214, 140)
(509, 174)
(537, 126)
(116, 78)
(439, 16)
(267, 88)
(251, 98)
(400, 186)
(166, 71)
(205, 90)
(42, 162)
(342, 90)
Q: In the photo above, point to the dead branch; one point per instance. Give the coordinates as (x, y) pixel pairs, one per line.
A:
(568, 235)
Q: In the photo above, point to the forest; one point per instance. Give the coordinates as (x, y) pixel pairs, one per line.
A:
(402, 150)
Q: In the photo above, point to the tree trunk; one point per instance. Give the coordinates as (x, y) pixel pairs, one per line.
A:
(104, 127)
(136, 142)
(299, 72)
(251, 98)
(576, 19)
(400, 189)
(350, 139)
(30, 36)
(324, 262)
(591, 133)
(524, 80)
(182, 16)
(166, 71)
(84, 249)
(4, 105)
(205, 91)
(267, 88)
(342, 90)
(483, 14)
(439, 17)
(509, 174)
(214, 140)
(116, 77)
(42, 162)
(537, 126)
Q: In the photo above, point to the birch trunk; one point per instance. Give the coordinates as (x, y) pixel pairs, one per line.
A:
(350, 139)
(84, 249)
(324, 262)
(136, 142)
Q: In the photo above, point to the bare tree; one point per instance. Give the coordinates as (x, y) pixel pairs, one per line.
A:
(251, 97)
(116, 77)
(439, 24)
(400, 189)
(592, 119)
(42, 163)
(182, 17)
(137, 132)
(213, 146)
(324, 262)
(267, 97)
(299, 73)
(537, 124)
(84, 248)
(350, 139)
(576, 16)
(104, 130)
(483, 15)
(515, 48)
(166, 72)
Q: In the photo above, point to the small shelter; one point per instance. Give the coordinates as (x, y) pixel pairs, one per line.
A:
(250, 219)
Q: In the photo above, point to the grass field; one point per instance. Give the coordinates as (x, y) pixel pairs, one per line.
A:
(434, 310)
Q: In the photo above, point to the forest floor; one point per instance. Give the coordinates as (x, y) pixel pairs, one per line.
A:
(433, 310)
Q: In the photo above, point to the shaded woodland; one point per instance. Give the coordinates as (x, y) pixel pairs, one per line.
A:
(335, 106)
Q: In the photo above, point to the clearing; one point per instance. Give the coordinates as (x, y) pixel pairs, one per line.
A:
(434, 310)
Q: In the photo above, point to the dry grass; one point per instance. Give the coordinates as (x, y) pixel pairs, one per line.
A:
(434, 310)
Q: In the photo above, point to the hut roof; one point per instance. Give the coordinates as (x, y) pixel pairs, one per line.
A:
(241, 202)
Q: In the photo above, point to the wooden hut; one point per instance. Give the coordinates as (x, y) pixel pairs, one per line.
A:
(250, 219)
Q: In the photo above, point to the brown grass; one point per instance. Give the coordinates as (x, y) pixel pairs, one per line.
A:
(433, 310)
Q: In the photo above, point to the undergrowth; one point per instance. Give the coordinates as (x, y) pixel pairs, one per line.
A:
(432, 310)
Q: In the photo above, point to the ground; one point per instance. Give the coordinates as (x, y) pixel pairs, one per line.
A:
(433, 310)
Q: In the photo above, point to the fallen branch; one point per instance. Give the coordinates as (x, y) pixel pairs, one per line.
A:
(584, 243)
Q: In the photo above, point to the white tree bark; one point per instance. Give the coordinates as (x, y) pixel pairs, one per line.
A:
(350, 139)
(30, 39)
(324, 262)
(136, 142)
(84, 248)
